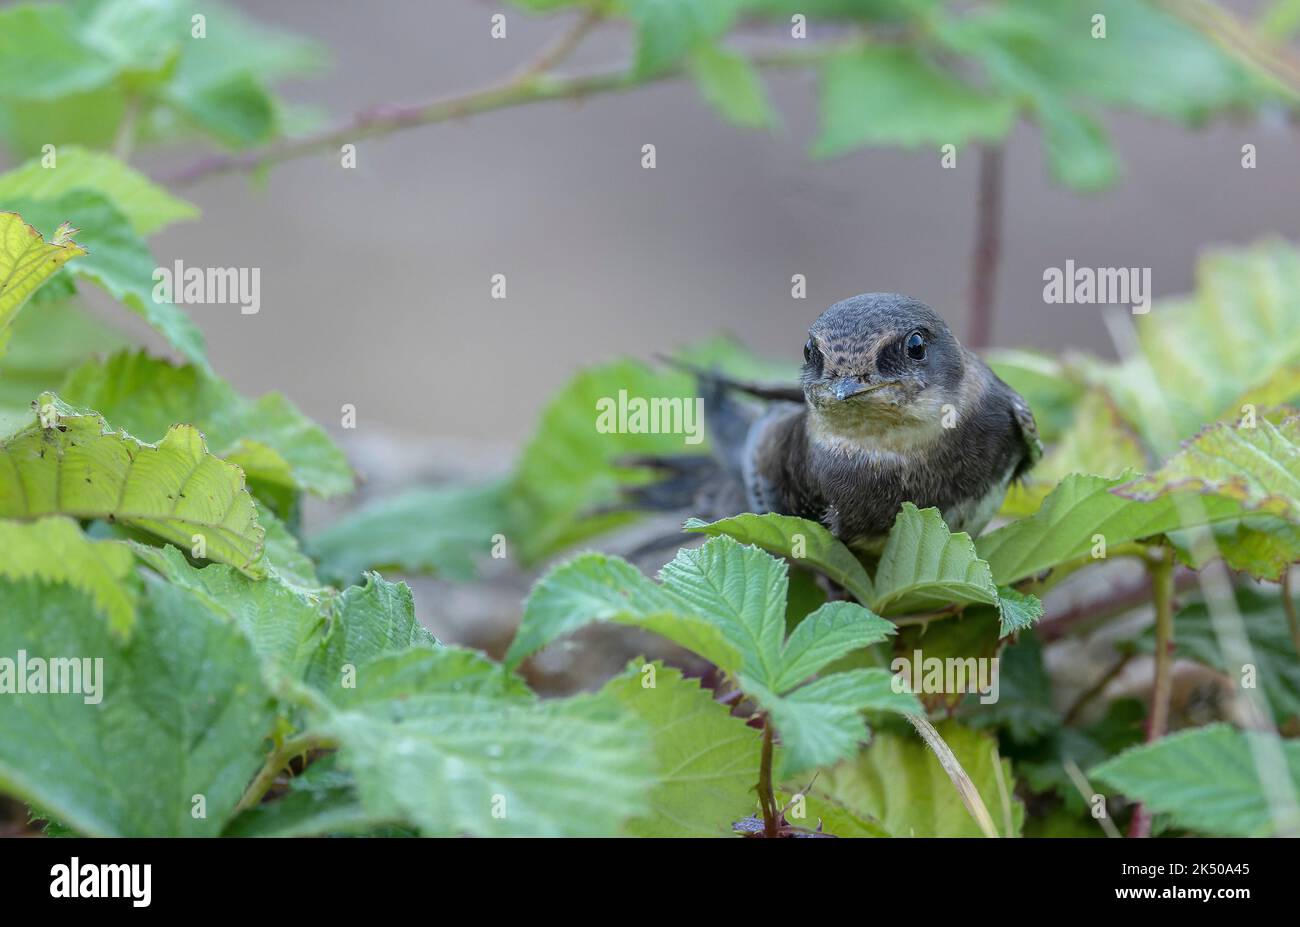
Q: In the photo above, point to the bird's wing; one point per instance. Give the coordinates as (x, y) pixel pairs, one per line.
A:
(1023, 416)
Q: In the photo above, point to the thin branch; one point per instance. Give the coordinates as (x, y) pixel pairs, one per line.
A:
(988, 245)
(766, 797)
(1096, 689)
(561, 48)
(524, 88)
(1162, 591)
(1103, 608)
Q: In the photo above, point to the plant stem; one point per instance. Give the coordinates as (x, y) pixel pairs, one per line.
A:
(766, 797)
(1162, 590)
(277, 761)
(526, 86)
(124, 136)
(988, 244)
(961, 780)
(1095, 689)
(1288, 605)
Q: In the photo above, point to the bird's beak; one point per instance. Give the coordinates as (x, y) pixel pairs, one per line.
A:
(847, 387)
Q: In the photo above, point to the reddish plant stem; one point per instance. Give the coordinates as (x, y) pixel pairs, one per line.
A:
(1162, 589)
(988, 245)
(766, 797)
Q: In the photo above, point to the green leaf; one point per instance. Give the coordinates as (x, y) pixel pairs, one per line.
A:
(886, 95)
(569, 468)
(26, 262)
(821, 723)
(1262, 547)
(742, 591)
(417, 531)
(925, 567)
(366, 622)
(805, 542)
(42, 57)
(1017, 610)
(56, 550)
(72, 464)
(831, 632)
(707, 760)
(593, 587)
(118, 260)
(1205, 357)
(147, 206)
(282, 557)
(732, 86)
(1257, 467)
(1098, 441)
(667, 30)
(1206, 780)
(898, 781)
(269, 438)
(1078, 510)
(43, 345)
(283, 624)
(448, 742)
(184, 712)
(1272, 657)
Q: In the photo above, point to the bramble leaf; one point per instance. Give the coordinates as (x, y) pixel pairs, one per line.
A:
(147, 206)
(56, 550)
(269, 438)
(448, 741)
(707, 759)
(1206, 779)
(182, 711)
(898, 781)
(69, 462)
(798, 539)
(26, 262)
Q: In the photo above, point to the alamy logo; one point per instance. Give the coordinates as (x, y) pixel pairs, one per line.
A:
(1106, 286)
(53, 676)
(199, 286)
(103, 880)
(947, 676)
(658, 415)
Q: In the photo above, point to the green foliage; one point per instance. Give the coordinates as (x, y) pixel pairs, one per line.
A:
(26, 262)
(69, 462)
(727, 603)
(1208, 779)
(68, 75)
(150, 515)
(183, 712)
(898, 782)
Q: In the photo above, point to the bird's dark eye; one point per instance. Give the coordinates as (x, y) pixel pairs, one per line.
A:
(915, 345)
(813, 356)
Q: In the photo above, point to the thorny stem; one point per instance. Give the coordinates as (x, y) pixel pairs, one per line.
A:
(1288, 605)
(1162, 590)
(766, 797)
(277, 761)
(527, 86)
(988, 244)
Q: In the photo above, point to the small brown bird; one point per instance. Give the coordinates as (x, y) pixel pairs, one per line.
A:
(892, 409)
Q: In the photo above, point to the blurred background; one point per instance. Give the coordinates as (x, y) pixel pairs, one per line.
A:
(375, 281)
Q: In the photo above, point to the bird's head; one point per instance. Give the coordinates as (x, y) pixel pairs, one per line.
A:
(880, 360)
